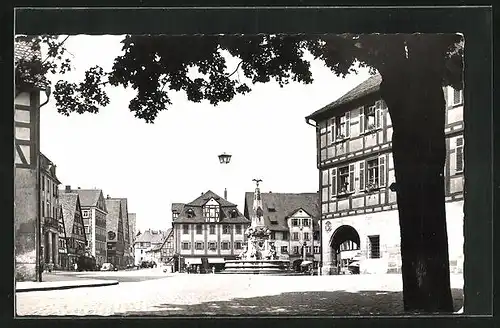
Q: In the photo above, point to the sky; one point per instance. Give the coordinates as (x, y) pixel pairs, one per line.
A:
(176, 158)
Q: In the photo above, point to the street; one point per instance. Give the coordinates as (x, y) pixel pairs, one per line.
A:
(150, 292)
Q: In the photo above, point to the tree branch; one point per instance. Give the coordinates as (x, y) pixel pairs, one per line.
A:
(236, 70)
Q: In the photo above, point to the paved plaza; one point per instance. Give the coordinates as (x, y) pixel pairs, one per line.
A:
(154, 293)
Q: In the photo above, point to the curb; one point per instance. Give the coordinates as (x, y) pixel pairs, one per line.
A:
(48, 288)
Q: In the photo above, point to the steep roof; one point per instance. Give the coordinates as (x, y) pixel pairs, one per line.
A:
(113, 217)
(24, 50)
(200, 201)
(152, 236)
(48, 167)
(68, 202)
(369, 86)
(88, 197)
(197, 207)
(125, 222)
(284, 205)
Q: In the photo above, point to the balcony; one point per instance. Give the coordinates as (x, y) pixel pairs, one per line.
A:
(49, 222)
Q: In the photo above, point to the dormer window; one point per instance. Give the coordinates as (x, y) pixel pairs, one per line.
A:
(271, 209)
(190, 213)
(234, 214)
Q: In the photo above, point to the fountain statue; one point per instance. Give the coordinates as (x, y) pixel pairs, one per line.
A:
(259, 254)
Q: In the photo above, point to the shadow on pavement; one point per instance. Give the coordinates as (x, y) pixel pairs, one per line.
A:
(62, 276)
(297, 303)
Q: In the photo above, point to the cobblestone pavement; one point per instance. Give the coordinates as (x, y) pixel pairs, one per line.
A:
(209, 294)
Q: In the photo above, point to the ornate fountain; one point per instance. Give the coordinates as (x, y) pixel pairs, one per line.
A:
(259, 254)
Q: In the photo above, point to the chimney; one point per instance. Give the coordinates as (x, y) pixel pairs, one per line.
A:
(68, 188)
(225, 193)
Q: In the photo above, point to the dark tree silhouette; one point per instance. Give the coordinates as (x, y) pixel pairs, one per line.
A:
(414, 68)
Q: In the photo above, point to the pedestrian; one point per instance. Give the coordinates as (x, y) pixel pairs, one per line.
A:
(213, 269)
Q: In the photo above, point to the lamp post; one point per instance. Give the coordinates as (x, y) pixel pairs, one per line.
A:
(225, 159)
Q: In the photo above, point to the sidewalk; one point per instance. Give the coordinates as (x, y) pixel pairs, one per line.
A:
(31, 286)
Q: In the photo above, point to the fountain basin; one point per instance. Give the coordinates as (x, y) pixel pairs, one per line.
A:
(256, 266)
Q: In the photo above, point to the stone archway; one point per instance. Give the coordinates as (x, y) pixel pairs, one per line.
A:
(344, 238)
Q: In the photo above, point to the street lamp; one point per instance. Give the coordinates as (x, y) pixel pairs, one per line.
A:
(225, 159)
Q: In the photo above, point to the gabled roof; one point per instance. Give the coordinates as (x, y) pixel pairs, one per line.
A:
(88, 197)
(125, 223)
(196, 207)
(369, 86)
(168, 234)
(68, 202)
(200, 201)
(113, 217)
(284, 205)
(152, 236)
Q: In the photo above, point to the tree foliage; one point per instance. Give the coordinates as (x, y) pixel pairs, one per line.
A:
(197, 65)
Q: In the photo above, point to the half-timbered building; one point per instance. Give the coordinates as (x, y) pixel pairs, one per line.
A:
(359, 216)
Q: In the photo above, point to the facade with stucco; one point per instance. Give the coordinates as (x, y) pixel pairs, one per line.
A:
(359, 217)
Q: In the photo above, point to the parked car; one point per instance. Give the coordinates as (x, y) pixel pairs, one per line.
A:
(148, 264)
(108, 267)
(354, 267)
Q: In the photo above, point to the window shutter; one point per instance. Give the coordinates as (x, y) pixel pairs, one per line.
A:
(333, 173)
(381, 171)
(459, 155)
(333, 130)
(347, 124)
(361, 175)
(351, 177)
(378, 114)
(362, 120)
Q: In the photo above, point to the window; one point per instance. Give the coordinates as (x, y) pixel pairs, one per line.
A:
(295, 249)
(306, 235)
(273, 235)
(316, 249)
(316, 235)
(295, 236)
(198, 245)
(199, 229)
(295, 222)
(371, 117)
(212, 246)
(285, 235)
(212, 229)
(226, 229)
(374, 247)
(305, 222)
(225, 245)
(343, 180)
(459, 155)
(238, 229)
(348, 245)
(190, 213)
(185, 246)
(271, 209)
(175, 215)
(87, 230)
(341, 127)
(185, 229)
(85, 214)
(211, 213)
(237, 245)
(234, 214)
(169, 244)
(308, 249)
(457, 97)
(43, 184)
(372, 174)
(284, 249)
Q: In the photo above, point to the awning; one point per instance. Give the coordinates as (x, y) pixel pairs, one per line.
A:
(193, 260)
(215, 260)
(304, 263)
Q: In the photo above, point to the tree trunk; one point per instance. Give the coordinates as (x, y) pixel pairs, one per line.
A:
(414, 96)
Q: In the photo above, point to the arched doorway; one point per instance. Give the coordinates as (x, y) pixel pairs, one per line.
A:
(345, 244)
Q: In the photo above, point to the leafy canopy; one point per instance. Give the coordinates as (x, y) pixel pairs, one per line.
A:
(154, 64)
